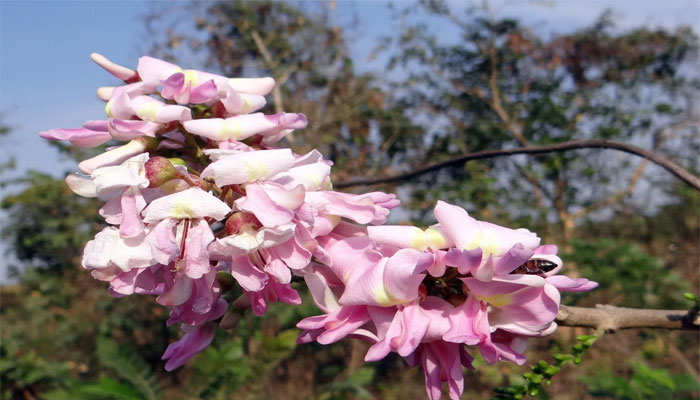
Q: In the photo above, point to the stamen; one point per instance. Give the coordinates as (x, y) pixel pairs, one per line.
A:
(257, 259)
(185, 229)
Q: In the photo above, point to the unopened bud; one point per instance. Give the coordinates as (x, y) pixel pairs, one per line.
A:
(225, 280)
(238, 221)
(149, 143)
(159, 171)
(230, 320)
(242, 302)
(198, 182)
(174, 186)
(177, 161)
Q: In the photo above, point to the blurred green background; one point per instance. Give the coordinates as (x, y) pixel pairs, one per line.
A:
(447, 80)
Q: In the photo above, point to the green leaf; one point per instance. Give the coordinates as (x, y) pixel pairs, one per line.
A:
(663, 108)
(362, 376)
(690, 296)
(108, 388)
(129, 366)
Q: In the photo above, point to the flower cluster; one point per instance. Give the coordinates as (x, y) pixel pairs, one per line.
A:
(207, 214)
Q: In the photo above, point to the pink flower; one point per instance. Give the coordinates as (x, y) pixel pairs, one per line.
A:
(114, 156)
(92, 134)
(333, 326)
(247, 167)
(180, 233)
(195, 231)
(338, 321)
(196, 339)
(497, 243)
(410, 237)
(238, 95)
(369, 208)
(244, 126)
(108, 249)
(442, 362)
(126, 105)
(274, 291)
(154, 70)
(403, 328)
(237, 103)
(203, 302)
(126, 74)
(121, 187)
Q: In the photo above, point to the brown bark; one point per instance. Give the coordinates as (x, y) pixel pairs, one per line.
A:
(609, 318)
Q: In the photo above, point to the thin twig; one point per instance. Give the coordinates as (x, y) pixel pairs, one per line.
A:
(617, 196)
(678, 355)
(667, 164)
(271, 65)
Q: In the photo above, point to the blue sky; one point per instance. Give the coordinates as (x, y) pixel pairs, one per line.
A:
(48, 81)
(46, 77)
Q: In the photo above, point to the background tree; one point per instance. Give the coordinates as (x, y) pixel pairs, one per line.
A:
(351, 120)
(501, 85)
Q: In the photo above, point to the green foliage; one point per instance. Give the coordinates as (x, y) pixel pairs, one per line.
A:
(695, 308)
(353, 385)
(46, 224)
(127, 364)
(9, 161)
(22, 371)
(219, 371)
(542, 372)
(136, 380)
(352, 121)
(105, 388)
(642, 383)
(53, 341)
(495, 84)
(626, 270)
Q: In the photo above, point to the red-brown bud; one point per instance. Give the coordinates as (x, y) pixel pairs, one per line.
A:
(159, 171)
(198, 182)
(225, 280)
(230, 319)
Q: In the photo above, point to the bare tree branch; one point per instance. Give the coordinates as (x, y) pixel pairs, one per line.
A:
(658, 139)
(609, 318)
(667, 164)
(678, 355)
(617, 196)
(513, 126)
(276, 91)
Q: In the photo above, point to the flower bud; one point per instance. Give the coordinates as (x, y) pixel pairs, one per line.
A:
(230, 320)
(175, 185)
(242, 302)
(225, 280)
(160, 170)
(198, 182)
(177, 161)
(240, 221)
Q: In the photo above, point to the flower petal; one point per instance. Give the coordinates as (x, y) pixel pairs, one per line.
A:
(189, 204)
(247, 167)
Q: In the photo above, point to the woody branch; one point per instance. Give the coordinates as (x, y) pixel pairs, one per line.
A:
(657, 159)
(607, 318)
